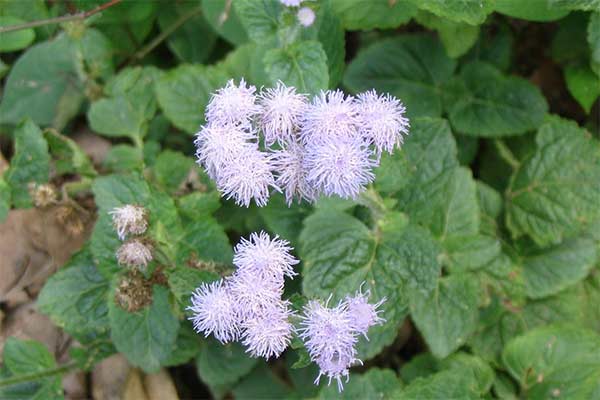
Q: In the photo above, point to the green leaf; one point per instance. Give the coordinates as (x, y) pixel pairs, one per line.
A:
(593, 38)
(471, 253)
(29, 164)
(68, 157)
(220, 365)
(75, 298)
(411, 67)
(39, 81)
(302, 64)
(374, 384)
(331, 34)
(186, 347)
(147, 336)
(539, 11)
(183, 94)
(556, 361)
(554, 193)
(583, 85)
(259, 18)
(24, 357)
(170, 169)
(283, 220)
(494, 46)
(198, 204)
(395, 258)
(222, 17)
(116, 117)
(204, 240)
(457, 37)
(586, 5)
(373, 14)
(261, 383)
(16, 40)
(123, 158)
(184, 41)
(494, 105)
(97, 53)
(109, 192)
(550, 270)
(569, 43)
(471, 12)
(448, 384)
(448, 316)
(130, 106)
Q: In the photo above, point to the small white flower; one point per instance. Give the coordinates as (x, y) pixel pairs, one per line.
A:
(233, 104)
(291, 3)
(381, 120)
(364, 315)
(134, 253)
(306, 16)
(129, 219)
(291, 173)
(253, 294)
(269, 334)
(264, 257)
(214, 312)
(282, 109)
(331, 115)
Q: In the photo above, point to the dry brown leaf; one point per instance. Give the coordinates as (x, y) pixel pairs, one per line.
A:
(108, 378)
(134, 387)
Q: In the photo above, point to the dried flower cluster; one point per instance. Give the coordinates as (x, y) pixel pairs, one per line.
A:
(132, 220)
(248, 305)
(280, 140)
(331, 334)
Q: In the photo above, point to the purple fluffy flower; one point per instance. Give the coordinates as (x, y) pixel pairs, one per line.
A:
(291, 173)
(270, 333)
(253, 295)
(282, 109)
(330, 339)
(342, 167)
(306, 16)
(218, 146)
(382, 120)
(364, 315)
(248, 176)
(291, 3)
(265, 258)
(330, 115)
(214, 312)
(233, 105)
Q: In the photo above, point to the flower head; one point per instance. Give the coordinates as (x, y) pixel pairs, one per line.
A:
(282, 109)
(329, 339)
(248, 176)
(364, 315)
(270, 333)
(219, 146)
(306, 16)
(330, 115)
(339, 166)
(233, 104)
(134, 253)
(291, 173)
(382, 120)
(291, 3)
(264, 257)
(129, 219)
(253, 294)
(214, 312)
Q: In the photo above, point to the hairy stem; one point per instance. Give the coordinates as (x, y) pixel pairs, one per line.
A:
(57, 20)
(37, 375)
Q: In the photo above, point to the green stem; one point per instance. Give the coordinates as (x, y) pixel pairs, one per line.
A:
(506, 154)
(143, 52)
(373, 201)
(74, 188)
(37, 375)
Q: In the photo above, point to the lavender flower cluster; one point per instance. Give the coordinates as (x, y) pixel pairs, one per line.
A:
(331, 334)
(248, 307)
(132, 220)
(328, 146)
